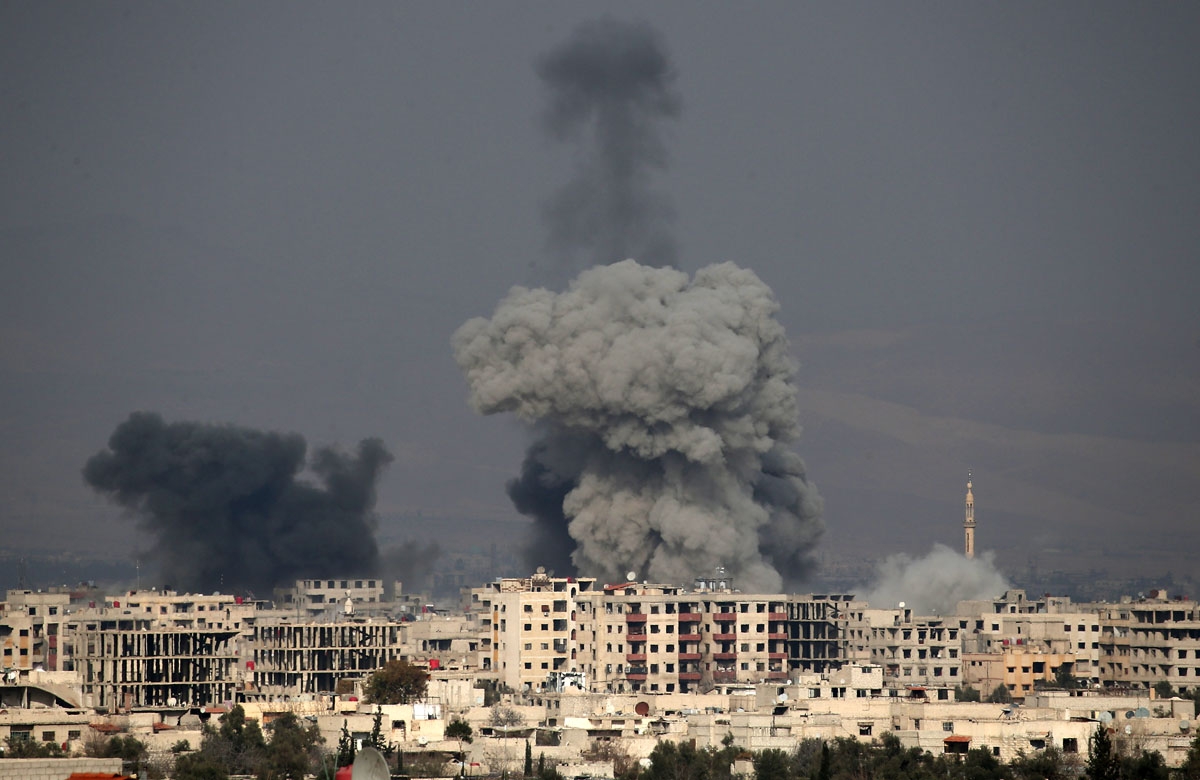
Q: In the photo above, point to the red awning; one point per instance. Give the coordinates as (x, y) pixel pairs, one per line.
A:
(957, 738)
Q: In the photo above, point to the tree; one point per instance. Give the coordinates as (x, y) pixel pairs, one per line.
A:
(528, 759)
(28, 748)
(376, 739)
(460, 730)
(345, 748)
(290, 751)
(1191, 765)
(1000, 695)
(1163, 689)
(398, 682)
(182, 746)
(1102, 763)
(198, 766)
(1150, 765)
(238, 745)
(505, 718)
(966, 693)
(771, 764)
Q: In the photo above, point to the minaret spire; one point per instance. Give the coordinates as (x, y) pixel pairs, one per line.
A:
(969, 522)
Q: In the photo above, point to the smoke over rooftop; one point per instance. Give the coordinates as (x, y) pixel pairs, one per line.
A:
(227, 507)
(609, 88)
(935, 583)
(665, 407)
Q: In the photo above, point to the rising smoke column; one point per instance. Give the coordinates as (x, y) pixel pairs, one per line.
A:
(664, 408)
(609, 88)
(935, 583)
(226, 506)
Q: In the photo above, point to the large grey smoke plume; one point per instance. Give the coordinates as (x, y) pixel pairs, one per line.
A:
(665, 407)
(226, 506)
(934, 584)
(610, 87)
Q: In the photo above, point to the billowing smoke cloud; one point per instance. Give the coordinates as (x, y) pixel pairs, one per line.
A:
(227, 509)
(664, 408)
(934, 584)
(609, 88)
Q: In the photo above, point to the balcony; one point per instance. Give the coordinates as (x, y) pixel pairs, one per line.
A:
(690, 617)
(636, 673)
(776, 635)
(776, 656)
(725, 637)
(633, 638)
(725, 617)
(777, 616)
(635, 617)
(689, 637)
(689, 676)
(724, 677)
(634, 657)
(689, 656)
(777, 675)
(725, 656)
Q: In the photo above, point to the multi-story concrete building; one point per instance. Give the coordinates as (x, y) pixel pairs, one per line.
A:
(656, 638)
(1151, 640)
(291, 660)
(912, 650)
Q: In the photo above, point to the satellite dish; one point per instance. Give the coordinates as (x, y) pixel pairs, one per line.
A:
(781, 698)
(1128, 714)
(1105, 718)
(1128, 729)
(631, 576)
(901, 605)
(1184, 725)
(1141, 712)
(172, 702)
(642, 708)
(369, 764)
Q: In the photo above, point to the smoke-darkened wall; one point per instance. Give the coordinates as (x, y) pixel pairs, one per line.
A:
(227, 507)
(665, 407)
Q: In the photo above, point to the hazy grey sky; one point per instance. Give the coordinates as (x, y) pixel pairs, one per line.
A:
(982, 222)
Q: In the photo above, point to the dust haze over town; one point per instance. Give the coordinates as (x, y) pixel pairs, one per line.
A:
(978, 224)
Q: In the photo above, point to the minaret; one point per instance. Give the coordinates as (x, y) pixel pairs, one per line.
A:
(969, 522)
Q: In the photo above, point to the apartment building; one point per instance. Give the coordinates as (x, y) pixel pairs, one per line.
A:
(913, 651)
(651, 637)
(528, 626)
(1151, 640)
(290, 660)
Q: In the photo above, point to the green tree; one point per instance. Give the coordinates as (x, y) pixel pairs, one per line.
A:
(1048, 764)
(966, 693)
(460, 730)
(1147, 766)
(1102, 763)
(182, 746)
(771, 764)
(376, 739)
(1190, 770)
(1065, 680)
(28, 748)
(238, 744)
(345, 748)
(528, 759)
(1000, 695)
(1163, 689)
(290, 753)
(199, 766)
(398, 682)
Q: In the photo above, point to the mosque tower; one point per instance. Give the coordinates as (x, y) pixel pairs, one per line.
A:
(969, 522)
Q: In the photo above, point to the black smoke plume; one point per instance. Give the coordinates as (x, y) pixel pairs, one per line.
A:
(227, 507)
(609, 88)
